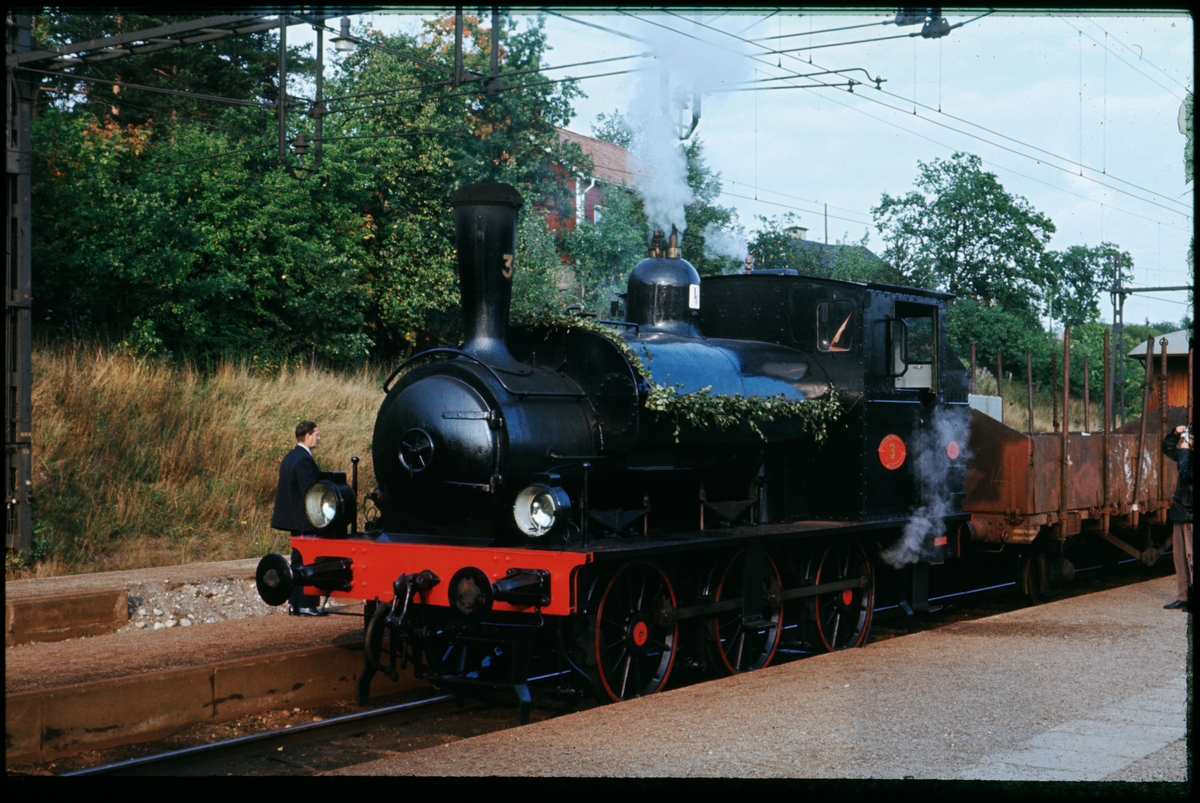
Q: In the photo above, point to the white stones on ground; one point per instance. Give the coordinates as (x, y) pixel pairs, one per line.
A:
(185, 622)
(158, 611)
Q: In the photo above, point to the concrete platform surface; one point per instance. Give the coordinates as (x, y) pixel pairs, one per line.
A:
(98, 581)
(83, 605)
(1084, 689)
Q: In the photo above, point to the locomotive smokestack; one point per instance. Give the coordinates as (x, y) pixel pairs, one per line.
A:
(656, 250)
(485, 223)
(673, 251)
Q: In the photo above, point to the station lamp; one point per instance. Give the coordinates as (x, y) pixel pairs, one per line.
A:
(342, 42)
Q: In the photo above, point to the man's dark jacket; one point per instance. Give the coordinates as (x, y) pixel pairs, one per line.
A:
(1181, 503)
(297, 473)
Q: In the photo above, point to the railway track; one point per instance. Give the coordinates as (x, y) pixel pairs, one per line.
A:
(173, 761)
(349, 738)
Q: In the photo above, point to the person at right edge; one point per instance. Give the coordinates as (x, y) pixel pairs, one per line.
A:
(1178, 446)
(297, 473)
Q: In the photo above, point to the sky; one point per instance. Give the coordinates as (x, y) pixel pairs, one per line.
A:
(1079, 115)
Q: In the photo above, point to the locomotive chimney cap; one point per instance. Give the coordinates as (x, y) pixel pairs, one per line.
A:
(487, 192)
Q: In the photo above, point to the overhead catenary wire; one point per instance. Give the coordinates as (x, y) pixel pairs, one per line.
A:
(218, 155)
(792, 207)
(1118, 56)
(123, 103)
(1166, 74)
(178, 92)
(833, 99)
(394, 134)
(825, 30)
(502, 75)
(783, 78)
(477, 91)
(951, 128)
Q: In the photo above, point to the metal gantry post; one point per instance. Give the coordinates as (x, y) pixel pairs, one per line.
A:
(1118, 299)
(18, 435)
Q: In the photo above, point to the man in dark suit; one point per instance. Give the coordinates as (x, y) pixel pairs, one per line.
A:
(298, 473)
(1178, 447)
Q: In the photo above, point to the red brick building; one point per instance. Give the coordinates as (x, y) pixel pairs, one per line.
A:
(612, 165)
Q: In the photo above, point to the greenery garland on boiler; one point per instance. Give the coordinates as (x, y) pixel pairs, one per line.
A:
(703, 409)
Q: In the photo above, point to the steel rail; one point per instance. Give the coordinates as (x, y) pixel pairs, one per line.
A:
(163, 763)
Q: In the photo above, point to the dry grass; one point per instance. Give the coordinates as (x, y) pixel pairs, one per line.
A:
(138, 463)
(1016, 405)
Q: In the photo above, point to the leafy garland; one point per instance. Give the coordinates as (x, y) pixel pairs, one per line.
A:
(560, 320)
(702, 409)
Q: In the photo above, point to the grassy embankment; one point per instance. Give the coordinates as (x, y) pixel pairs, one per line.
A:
(1016, 405)
(140, 463)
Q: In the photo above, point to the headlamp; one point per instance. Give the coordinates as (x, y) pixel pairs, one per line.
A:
(329, 505)
(541, 509)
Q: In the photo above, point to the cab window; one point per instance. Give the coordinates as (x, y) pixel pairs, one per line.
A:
(835, 326)
(918, 345)
(914, 346)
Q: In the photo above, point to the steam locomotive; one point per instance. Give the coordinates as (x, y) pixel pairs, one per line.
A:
(709, 478)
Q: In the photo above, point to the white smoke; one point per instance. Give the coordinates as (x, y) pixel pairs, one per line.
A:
(932, 467)
(720, 242)
(660, 113)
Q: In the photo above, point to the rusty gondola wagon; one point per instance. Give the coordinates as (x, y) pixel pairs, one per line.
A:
(1042, 493)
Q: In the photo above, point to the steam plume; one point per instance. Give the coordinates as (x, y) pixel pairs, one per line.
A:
(687, 68)
(933, 467)
(720, 242)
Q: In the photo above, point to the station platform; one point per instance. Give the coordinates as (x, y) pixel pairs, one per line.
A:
(1089, 688)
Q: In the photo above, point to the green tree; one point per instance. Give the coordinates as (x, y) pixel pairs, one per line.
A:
(210, 258)
(774, 246)
(239, 67)
(605, 253)
(962, 232)
(507, 136)
(613, 128)
(1077, 277)
(998, 331)
(538, 267)
(142, 236)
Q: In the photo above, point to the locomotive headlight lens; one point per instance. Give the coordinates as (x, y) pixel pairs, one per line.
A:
(540, 508)
(321, 504)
